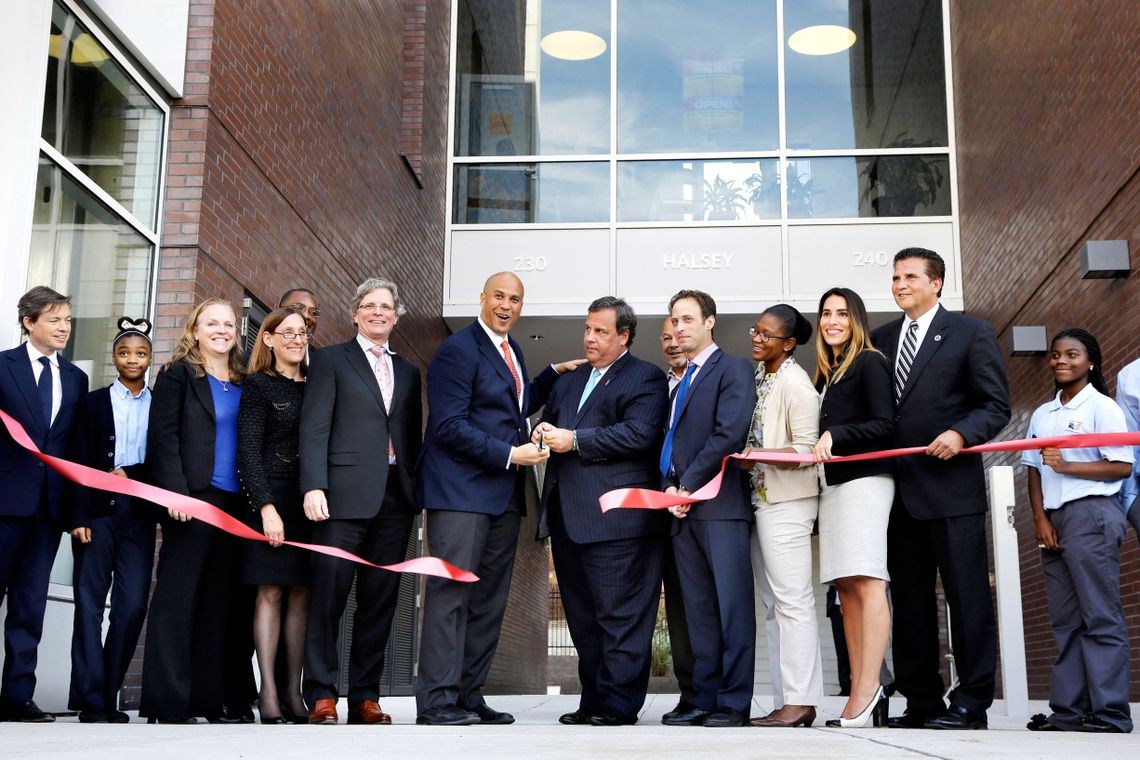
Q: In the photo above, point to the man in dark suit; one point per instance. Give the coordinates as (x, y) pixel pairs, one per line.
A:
(708, 420)
(680, 647)
(470, 480)
(42, 391)
(604, 429)
(951, 392)
(360, 436)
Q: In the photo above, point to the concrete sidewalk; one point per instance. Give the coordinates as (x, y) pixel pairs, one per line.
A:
(537, 733)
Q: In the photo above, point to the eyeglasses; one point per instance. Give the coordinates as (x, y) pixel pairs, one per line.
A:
(312, 311)
(290, 335)
(765, 337)
(383, 308)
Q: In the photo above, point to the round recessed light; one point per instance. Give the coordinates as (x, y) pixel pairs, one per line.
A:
(822, 39)
(573, 45)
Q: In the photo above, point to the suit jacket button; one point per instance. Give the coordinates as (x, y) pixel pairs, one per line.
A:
(112, 502)
(112, 438)
(110, 453)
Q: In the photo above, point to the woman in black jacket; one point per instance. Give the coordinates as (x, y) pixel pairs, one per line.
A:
(856, 416)
(269, 424)
(192, 655)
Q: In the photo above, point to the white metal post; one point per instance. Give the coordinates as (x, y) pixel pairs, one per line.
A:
(1007, 575)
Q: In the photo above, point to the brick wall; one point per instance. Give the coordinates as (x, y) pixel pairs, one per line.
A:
(1046, 97)
(286, 164)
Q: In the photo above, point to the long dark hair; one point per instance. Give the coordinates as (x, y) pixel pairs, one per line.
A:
(1092, 348)
(859, 342)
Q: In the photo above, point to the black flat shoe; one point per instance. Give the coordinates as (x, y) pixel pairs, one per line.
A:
(577, 718)
(489, 717)
(726, 717)
(1040, 723)
(118, 716)
(1098, 726)
(611, 718)
(172, 721)
(92, 716)
(909, 720)
(958, 718)
(446, 715)
(273, 720)
(24, 712)
(694, 717)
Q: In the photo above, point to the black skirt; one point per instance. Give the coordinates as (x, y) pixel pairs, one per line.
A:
(263, 565)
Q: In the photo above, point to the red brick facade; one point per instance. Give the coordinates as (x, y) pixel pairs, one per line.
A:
(309, 150)
(1046, 97)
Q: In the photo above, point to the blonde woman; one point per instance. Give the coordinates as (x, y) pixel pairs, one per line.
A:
(192, 449)
(856, 416)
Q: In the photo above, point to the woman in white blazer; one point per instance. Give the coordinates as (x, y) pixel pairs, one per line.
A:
(786, 502)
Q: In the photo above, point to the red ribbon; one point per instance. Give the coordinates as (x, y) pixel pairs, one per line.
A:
(645, 498)
(211, 515)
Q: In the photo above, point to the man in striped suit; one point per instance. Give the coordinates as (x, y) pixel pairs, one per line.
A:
(604, 430)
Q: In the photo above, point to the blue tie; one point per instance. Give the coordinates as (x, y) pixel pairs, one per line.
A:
(597, 373)
(666, 463)
(44, 387)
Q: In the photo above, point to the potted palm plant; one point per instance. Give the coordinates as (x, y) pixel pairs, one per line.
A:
(895, 185)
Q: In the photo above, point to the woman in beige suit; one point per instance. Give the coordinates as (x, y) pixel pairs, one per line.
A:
(786, 500)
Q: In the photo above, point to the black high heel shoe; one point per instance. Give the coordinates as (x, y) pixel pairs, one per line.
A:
(273, 720)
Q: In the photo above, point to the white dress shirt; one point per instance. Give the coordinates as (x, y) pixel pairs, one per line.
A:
(34, 355)
(923, 327)
(698, 360)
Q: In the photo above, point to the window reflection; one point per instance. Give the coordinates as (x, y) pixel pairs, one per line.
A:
(515, 99)
(101, 120)
(693, 191)
(697, 75)
(888, 90)
(869, 186)
(81, 248)
(521, 193)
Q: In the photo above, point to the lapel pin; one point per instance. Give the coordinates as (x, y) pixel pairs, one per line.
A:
(937, 338)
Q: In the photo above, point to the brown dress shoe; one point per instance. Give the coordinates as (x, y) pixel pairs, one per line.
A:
(369, 713)
(323, 712)
(788, 716)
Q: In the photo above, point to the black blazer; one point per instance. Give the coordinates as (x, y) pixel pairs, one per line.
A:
(180, 436)
(344, 431)
(859, 411)
(97, 449)
(22, 476)
(619, 442)
(957, 382)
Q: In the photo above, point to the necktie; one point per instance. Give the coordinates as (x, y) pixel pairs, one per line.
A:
(906, 359)
(666, 462)
(45, 387)
(384, 380)
(511, 366)
(594, 377)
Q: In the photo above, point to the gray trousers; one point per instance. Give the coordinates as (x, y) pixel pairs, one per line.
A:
(1134, 515)
(1090, 676)
(462, 620)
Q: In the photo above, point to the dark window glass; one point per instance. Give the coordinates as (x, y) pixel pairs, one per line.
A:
(520, 193)
(869, 186)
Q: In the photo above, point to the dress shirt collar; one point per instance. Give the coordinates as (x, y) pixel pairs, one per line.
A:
(923, 320)
(1076, 401)
(703, 357)
(496, 339)
(124, 392)
(34, 355)
(603, 370)
(368, 345)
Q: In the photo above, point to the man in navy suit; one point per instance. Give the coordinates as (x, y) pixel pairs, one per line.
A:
(470, 481)
(951, 392)
(708, 420)
(604, 429)
(42, 391)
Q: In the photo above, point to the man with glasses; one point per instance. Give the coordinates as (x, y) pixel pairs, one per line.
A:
(362, 411)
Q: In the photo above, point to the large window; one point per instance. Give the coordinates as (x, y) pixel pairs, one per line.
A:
(95, 223)
(699, 112)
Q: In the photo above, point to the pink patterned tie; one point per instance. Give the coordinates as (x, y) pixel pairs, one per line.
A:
(511, 366)
(384, 379)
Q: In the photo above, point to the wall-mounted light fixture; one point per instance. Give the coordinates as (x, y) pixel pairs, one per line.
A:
(573, 45)
(821, 39)
(1029, 340)
(1104, 259)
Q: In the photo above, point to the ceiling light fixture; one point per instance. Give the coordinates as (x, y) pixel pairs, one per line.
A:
(822, 39)
(573, 45)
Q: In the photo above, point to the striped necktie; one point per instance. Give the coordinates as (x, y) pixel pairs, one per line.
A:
(906, 359)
